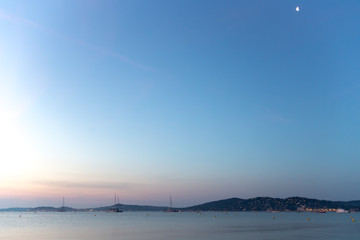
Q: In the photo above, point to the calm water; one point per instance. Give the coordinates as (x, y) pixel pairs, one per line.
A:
(190, 226)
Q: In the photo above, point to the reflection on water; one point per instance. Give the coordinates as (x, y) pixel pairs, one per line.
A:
(189, 225)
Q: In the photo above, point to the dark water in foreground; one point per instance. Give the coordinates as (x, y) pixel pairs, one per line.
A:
(178, 226)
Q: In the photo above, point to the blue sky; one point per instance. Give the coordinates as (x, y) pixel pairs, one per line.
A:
(202, 100)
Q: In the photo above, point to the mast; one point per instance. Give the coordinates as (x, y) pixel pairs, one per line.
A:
(63, 205)
(170, 203)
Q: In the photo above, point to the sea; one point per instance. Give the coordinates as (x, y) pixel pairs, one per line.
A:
(178, 225)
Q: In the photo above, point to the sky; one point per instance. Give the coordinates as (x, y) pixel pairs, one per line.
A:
(200, 100)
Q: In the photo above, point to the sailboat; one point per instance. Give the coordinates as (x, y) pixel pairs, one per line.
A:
(62, 209)
(171, 207)
(115, 209)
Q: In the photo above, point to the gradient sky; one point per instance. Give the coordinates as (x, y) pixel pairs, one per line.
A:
(202, 100)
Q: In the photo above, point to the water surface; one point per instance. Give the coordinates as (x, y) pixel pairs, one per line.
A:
(177, 226)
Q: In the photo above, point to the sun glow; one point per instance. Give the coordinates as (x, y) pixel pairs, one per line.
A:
(16, 154)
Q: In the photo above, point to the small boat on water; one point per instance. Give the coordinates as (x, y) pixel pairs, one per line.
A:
(340, 210)
(114, 210)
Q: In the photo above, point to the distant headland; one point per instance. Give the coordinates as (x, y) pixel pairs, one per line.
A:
(291, 204)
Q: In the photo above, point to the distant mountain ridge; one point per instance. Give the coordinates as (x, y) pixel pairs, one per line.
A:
(231, 204)
(125, 207)
(122, 207)
(39, 209)
(274, 204)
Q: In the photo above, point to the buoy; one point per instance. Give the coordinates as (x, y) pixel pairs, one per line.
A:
(353, 220)
(215, 216)
(273, 217)
(308, 219)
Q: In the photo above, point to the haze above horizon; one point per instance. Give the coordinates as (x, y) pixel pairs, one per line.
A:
(201, 100)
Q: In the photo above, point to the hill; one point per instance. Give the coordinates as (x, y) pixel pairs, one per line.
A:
(122, 207)
(125, 207)
(273, 204)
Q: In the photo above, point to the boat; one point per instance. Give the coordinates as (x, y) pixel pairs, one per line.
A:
(62, 209)
(171, 208)
(115, 209)
(340, 210)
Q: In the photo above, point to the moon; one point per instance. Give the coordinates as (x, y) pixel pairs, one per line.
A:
(297, 9)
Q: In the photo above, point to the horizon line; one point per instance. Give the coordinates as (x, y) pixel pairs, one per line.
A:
(147, 205)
